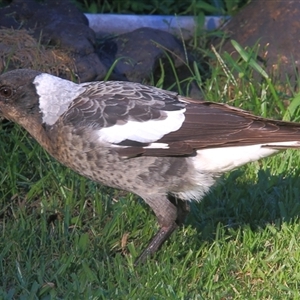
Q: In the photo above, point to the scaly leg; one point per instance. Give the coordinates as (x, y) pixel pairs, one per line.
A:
(170, 214)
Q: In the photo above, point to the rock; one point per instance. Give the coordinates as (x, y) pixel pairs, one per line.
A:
(138, 54)
(57, 24)
(275, 26)
(60, 26)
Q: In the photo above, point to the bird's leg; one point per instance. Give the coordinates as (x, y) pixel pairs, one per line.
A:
(170, 215)
(160, 237)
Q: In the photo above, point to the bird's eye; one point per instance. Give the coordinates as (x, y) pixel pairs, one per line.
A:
(6, 91)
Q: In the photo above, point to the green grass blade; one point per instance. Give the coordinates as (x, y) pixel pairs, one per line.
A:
(247, 57)
(292, 108)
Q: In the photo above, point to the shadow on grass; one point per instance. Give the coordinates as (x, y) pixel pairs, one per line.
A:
(232, 204)
(273, 199)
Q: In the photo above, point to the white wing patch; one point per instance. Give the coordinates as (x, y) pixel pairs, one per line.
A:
(143, 132)
(55, 94)
(157, 146)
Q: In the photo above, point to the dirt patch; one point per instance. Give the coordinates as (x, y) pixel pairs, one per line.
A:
(20, 50)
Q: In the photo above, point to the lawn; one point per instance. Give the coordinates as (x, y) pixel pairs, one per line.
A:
(65, 237)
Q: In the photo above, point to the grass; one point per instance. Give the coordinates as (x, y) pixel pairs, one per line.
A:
(65, 237)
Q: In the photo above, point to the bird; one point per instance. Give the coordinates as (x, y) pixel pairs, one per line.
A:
(166, 148)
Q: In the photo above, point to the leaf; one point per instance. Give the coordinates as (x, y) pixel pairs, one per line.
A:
(249, 59)
(292, 108)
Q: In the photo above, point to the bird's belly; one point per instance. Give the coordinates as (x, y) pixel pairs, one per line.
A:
(101, 167)
(141, 175)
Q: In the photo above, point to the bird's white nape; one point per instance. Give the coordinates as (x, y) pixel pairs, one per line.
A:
(55, 95)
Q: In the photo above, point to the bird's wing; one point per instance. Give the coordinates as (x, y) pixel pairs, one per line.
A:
(139, 120)
(210, 125)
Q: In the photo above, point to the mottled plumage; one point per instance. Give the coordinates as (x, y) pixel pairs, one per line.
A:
(166, 148)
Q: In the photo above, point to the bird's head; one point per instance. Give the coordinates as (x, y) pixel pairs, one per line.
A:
(18, 99)
(28, 96)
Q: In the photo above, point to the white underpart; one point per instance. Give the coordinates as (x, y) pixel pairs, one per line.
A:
(143, 132)
(209, 164)
(219, 160)
(55, 94)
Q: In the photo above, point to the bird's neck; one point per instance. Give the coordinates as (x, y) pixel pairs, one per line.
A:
(38, 132)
